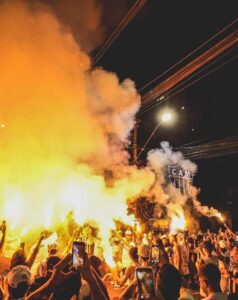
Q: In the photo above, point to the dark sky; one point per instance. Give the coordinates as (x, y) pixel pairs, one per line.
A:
(161, 34)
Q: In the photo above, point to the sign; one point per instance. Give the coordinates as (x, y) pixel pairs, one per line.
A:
(180, 178)
(177, 171)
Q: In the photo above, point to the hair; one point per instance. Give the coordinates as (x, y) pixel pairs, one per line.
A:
(169, 282)
(52, 251)
(159, 243)
(18, 258)
(20, 291)
(208, 246)
(133, 253)
(51, 262)
(211, 274)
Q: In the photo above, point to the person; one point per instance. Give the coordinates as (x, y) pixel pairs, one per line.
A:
(60, 278)
(181, 254)
(144, 255)
(206, 255)
(129, 275)
(19, 257)
(3, 229)
(168, 248)
(209, 279)
(47, 264)
(18, 281)
(163, 256)
(168, 282)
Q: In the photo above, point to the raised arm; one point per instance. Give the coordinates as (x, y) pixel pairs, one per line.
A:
(30, 260)
(3, 238)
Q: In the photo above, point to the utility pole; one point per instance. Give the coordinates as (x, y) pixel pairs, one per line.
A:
(135, 148)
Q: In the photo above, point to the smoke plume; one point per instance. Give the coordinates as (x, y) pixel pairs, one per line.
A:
(63, 126)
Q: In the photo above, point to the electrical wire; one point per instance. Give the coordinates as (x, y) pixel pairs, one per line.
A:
(189, 54)
(186, 86)
(122, 25)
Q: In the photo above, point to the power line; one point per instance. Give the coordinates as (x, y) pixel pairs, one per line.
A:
(150, 105)
(191, 67)
(217, 148)
(122, 25)
(189, 54)
(187, 86)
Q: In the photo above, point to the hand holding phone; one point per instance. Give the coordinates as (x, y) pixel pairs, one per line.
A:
(145, 281)
(78, 254)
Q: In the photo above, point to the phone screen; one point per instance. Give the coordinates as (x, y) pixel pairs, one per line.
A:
(78, 254)
(155, 254)
(145, 281)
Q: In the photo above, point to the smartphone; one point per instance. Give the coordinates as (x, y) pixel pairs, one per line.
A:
(78, 253)
(155, 254)
(145, 281)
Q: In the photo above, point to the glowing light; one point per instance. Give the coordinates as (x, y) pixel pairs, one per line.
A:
(24, 231)
(219, 216)
(178, 222)
(166, 117)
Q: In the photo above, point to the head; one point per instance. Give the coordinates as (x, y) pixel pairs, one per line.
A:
(208, 247)
(159, 243)
(51, 262)
(18, 280)
(18, 258)
(133, 254)
(165, 241)
(169, 282)
(209, 278)
(52, 249)
(144, 254)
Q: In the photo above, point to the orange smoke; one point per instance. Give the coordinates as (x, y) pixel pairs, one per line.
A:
(64, 124)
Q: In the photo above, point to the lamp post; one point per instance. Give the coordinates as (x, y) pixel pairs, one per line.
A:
(165, 118)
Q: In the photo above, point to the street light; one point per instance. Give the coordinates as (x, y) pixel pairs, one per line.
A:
(166, 117)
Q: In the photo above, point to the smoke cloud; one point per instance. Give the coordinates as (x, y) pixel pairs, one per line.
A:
(64, 129)
(63, 125)
(82, 18)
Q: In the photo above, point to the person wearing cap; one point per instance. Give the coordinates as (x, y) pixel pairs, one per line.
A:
(18, 282)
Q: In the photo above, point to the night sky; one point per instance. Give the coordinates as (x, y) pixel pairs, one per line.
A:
(162, 33)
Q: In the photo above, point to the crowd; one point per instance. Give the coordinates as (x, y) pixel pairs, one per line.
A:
(159, 266)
